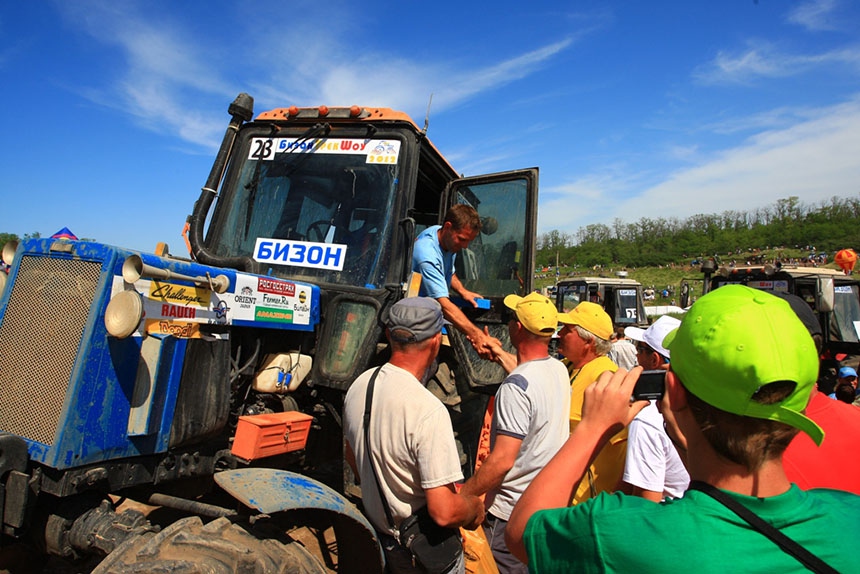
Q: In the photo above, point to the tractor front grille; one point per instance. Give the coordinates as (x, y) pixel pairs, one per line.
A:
(39, 341)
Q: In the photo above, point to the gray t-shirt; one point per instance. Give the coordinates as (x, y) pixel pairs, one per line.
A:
(532, 404)
(411, 439)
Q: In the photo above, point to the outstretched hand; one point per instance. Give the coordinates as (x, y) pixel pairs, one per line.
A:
(487, 346)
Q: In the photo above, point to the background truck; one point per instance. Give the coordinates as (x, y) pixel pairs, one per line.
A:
(211, 386)
(620, 297)
(833, 296)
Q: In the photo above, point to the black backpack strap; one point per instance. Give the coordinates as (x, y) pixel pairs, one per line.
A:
(789, 546)
(367, 401)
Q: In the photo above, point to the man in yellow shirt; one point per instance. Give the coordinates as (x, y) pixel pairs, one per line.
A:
(584, 341)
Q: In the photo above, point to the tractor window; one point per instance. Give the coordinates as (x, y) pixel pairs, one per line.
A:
(499, 261)
(569, 296)
(845, 319)
(337, 192)
(628, 310)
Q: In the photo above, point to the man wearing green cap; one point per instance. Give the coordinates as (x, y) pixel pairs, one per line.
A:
(529, 421)
(743, 367)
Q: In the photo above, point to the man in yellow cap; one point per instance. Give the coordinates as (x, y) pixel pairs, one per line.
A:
(529, 422)
(585, 341)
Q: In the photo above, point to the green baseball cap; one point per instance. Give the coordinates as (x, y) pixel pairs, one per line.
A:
(736, 339)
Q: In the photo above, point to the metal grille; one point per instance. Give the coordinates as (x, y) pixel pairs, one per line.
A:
(39, 339)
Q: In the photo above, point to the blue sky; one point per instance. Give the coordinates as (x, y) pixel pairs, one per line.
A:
(114, 110)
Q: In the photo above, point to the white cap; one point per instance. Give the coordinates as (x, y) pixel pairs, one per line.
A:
(653, 336)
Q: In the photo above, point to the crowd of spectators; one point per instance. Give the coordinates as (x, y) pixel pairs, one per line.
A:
(742, 464)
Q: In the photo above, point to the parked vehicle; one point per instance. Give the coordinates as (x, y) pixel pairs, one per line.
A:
(620, 297)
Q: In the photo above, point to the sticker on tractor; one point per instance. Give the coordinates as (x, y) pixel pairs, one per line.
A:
(375, 151)
(310, 254)
(177, 329)
(269, 299)
(179, 294)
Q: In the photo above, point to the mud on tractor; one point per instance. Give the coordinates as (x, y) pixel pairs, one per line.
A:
(212, 384)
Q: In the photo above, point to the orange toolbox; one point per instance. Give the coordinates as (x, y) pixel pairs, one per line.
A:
(259, 436)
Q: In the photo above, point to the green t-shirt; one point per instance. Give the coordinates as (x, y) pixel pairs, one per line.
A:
(618, 533)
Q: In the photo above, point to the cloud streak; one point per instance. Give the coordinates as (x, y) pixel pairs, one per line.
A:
(170, 86)
(763, 60)
(816, 15)
(814, 159)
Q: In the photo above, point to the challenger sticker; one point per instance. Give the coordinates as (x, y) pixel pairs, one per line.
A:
(179, 294)
(300, 253)
(374, 151)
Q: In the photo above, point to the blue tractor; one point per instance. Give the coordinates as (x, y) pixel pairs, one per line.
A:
(159, 411)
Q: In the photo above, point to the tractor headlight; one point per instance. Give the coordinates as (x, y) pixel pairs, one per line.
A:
(123, 314)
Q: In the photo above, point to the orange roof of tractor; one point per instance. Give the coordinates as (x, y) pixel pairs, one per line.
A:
(343, 113)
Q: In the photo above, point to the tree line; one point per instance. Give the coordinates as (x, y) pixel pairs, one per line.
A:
(828, 226)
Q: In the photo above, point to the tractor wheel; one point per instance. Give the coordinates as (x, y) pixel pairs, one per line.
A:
(190, 547)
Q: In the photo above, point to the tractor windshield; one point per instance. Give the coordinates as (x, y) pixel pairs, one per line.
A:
(310, 209)
(845, 319)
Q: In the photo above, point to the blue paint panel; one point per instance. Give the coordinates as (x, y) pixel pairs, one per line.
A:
(93, 423)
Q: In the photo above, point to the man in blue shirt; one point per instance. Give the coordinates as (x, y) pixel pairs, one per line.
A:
(433, 256)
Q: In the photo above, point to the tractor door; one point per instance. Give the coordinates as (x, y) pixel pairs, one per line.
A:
(500, 261)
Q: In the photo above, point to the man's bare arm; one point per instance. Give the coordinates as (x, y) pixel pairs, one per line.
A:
(449, 508)
(493, 470)
(458, 287)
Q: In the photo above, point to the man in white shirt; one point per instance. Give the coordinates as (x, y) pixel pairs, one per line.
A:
(653, 469)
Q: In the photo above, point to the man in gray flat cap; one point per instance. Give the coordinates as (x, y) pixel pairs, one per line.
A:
(411, 441)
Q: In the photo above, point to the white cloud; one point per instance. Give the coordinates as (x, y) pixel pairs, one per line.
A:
(816, 15)
(815, 160)
(171, 79)
(763, 60)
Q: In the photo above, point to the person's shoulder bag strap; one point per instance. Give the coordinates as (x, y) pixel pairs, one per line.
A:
(789, 546)
(367, 401)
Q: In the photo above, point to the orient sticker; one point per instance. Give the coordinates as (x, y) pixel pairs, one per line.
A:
(375, 151)
(309, 254)
(842, 289)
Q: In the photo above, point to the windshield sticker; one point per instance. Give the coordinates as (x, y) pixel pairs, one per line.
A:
(842, 289)
(310, 254)
(375, 151)
(627, 292)
(769, 285)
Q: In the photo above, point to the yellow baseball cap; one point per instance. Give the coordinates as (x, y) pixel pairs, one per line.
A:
(591, 317)
(536, 312)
